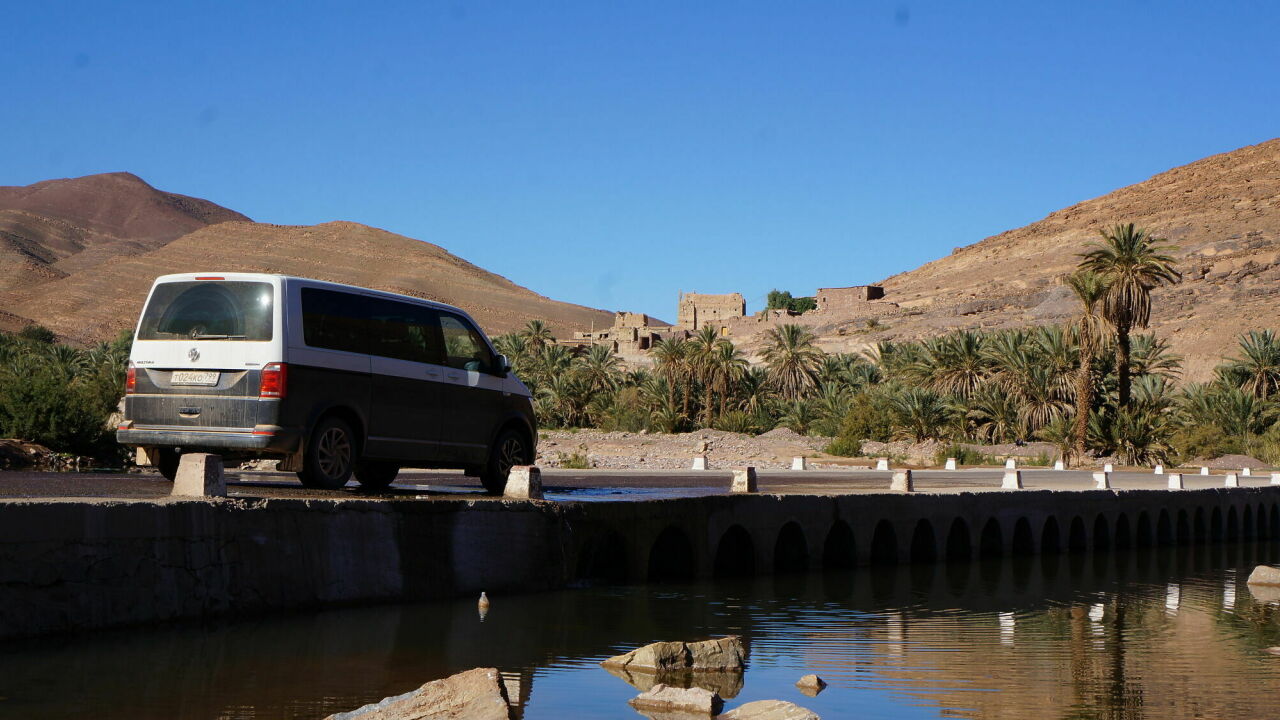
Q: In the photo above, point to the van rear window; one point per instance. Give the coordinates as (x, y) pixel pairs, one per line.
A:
(207, 310)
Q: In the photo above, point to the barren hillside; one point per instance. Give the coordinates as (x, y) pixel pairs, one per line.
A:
(78, 256)
(1222, 213)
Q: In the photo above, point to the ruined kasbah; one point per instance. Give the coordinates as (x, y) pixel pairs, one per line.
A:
(840, 313)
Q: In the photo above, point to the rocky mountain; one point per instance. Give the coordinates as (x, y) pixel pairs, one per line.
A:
(1221, 213)
(78, 255)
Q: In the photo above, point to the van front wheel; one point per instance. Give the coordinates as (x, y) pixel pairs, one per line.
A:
(375, 474)
(510, 450)
(330, 456)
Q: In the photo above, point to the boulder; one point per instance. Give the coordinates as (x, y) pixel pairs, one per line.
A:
(1265, 575)
(811, 685)
(769, 710)
(724, 654)
(475, 694)
(667, 699)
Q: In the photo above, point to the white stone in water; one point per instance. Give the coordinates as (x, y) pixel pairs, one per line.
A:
(1012, 480)
(1010, 463)
(902, 481)
(1059, 465)
(1175, 481)
(1108, 468)
(700, 462)
(1233, 480)
(744, 480)
(1102, 480)
(524, 482)
(1204, 470)
(882, 464)
(200, 475)
(798, 463)
(951, 464)
(1159, 470)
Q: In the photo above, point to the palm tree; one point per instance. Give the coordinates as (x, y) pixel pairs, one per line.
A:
(670, 360)
(1151, 355)
(701, 355)
(953, 364)
(1090, 288)
(537, 335)
(1134, 263)
(919, 414)
(601, 368)
(793, 360)
(994, 414)
(726, 369)
(1258, 367)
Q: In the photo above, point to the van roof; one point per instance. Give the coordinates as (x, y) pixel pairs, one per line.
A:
(217, 275)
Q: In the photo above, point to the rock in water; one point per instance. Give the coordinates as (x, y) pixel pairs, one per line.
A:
(811, 685)
(475, 694)
(769, 710)
(664, 698)
(720, 655)
(1265, 575)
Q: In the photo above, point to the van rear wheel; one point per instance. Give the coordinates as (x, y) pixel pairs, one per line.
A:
(510, 450)
(329, 458)
(376, 474)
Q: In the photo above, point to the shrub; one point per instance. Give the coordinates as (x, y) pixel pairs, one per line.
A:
(1204, 441)
(844, 447)
(576, 460)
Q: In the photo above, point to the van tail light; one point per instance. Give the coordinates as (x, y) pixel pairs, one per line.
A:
(274, 379)
(130, 380)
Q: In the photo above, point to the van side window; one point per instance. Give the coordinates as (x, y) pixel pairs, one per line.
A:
(404, 332)
(464, 347)
(335, 320)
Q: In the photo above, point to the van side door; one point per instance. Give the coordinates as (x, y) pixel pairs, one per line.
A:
(473, 400)
(406, 356)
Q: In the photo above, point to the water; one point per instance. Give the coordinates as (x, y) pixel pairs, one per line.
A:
(1167, 633)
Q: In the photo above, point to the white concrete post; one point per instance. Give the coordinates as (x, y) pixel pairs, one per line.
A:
(1159, 470)
(1204, 470)
(744, 480)
(798, 463)
(902, 481)
(1246, 472)
(1175, 481)
(1012, 480)
(699, 462)
(200, 475)
(1275, 478)
(1010, 464)
(1108, 468)
(524, 482)
(1059, 465)
(1102, 480)
(1233, 480)
(951, 463)
(882, 464)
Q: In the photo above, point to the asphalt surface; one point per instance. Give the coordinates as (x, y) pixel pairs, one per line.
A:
(589, 485)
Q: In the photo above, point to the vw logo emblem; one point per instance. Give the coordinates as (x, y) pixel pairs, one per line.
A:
(193, 354)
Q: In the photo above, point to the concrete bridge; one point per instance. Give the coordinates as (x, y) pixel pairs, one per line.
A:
(70, 564)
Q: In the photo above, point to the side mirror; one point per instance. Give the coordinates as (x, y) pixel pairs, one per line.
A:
(504, 366)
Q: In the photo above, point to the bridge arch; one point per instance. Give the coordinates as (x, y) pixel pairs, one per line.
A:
(1233, 525)
(604, 559)
(1101, 533)
(839, 551)
(1199, 529)
(1215, 525)
(671, 556)
(1248, 531)
(992, 542)
(1123, 537)
(924, 544)
(735, 553)
(790, 551)
(884, 544)
(1164, 529)
(959, 546)
(1184, 528)
(1023, 542)
(1142, 533)
(1077, 539)
(1050, 537)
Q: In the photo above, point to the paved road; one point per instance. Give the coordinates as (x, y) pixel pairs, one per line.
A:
(588, 485)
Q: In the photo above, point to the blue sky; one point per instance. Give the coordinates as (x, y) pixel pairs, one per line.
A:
(615, 153)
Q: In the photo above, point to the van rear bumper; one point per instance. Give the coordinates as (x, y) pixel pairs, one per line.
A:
(262, 438)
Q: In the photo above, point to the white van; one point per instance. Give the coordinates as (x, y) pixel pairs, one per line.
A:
(335, 380)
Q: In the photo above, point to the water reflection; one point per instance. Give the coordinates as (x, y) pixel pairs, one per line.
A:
(1144, 632)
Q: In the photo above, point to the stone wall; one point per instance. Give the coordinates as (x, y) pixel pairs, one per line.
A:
(847, 298)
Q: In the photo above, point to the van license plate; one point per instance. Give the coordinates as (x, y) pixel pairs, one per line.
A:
(193, 377)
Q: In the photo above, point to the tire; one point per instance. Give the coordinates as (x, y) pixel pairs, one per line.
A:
(329, 458)
(166, 461)
(510, 449)
(376, 474)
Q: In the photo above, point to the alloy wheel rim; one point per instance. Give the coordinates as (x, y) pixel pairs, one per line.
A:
(333, 452)
(510, 454)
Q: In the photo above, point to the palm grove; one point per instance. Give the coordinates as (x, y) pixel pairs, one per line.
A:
(1094, 386)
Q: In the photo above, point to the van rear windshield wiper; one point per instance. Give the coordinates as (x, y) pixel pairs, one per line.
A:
(217, 337)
